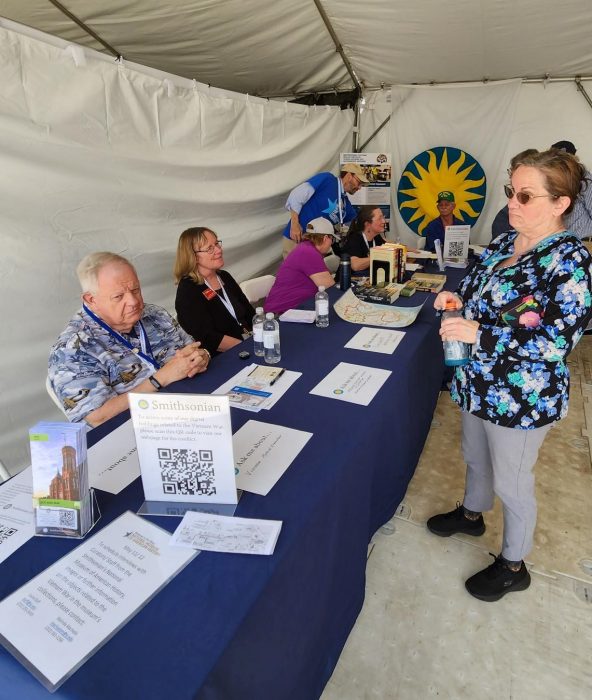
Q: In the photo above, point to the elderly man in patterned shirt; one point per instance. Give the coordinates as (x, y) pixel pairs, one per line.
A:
(116, 344)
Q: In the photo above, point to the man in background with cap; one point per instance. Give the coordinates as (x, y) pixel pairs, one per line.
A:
(323, 195)
(434, 231)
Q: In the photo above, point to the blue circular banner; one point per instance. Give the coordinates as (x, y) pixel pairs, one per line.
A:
(433, 171)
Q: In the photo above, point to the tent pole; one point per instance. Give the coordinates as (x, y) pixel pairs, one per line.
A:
(584, 93)
(376, 131)
(85, 27)
(350, 70)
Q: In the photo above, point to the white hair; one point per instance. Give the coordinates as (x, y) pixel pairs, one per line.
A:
(89, 267)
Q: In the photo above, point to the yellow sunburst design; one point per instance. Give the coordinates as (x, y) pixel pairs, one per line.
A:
(436, 178)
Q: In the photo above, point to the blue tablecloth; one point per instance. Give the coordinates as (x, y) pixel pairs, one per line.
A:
(255, 627)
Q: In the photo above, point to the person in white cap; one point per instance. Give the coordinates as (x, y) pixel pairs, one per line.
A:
(304, 270)
(323, 195)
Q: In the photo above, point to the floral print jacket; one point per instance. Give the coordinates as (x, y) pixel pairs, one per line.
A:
(531, 316)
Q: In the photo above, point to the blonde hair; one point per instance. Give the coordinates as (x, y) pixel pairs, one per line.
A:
(185, 265)
(89, 267)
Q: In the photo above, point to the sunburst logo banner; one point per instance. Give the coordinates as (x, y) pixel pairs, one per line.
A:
(433, 171)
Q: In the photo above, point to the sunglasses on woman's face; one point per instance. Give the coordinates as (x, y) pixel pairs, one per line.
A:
(524, 197)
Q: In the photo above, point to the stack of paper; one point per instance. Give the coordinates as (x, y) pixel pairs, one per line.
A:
(257, 387)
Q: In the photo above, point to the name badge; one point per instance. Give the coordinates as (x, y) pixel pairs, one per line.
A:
(209, 294)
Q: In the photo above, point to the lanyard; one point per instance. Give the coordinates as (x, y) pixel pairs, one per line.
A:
(221, 293)
(340, 194)
(144, 354)
(368, 242)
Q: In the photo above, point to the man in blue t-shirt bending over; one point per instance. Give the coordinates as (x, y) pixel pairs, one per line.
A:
(323, 195)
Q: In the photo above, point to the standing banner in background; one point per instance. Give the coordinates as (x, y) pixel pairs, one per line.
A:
(377, 168)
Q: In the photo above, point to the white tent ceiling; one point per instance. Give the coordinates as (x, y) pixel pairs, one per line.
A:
(282, 47)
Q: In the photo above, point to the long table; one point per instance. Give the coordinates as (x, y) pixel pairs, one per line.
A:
(249, 627)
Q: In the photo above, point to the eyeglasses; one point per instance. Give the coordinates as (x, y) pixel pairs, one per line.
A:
(524, 197)
(211, 248)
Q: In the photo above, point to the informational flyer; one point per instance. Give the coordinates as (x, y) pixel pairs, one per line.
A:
(17, 523)
(376, 340)
(220, 533)
(113, 461)
(184, 447)
(456, 242)
(60, 618)
(378, 170)
(263, 452)
(279, 388)
(352, 383)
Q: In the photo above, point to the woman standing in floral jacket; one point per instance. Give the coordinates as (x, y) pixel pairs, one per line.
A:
(524, 305)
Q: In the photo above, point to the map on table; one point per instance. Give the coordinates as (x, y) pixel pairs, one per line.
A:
(353, 310)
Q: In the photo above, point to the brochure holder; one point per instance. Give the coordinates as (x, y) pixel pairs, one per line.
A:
(95, 516)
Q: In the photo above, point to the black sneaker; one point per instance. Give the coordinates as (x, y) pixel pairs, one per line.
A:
(447, 524)
(496, 580)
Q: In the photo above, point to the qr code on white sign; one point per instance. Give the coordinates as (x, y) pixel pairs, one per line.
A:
(6, 532)
(187, 472)
(456, 249)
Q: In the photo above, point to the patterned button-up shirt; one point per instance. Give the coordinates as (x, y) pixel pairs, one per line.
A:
(88, 366)
(531, 316)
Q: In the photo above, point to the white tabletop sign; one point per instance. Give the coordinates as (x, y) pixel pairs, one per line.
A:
(113, 461)
(352, 383)
(263, 452)
(376, 340)
(185, 447)
(16, 513)
(221, 533)
(56, 621)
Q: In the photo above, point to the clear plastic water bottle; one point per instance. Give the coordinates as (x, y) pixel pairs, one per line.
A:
(322, 308)
(455, 351)
(258, 320)
(271, 339)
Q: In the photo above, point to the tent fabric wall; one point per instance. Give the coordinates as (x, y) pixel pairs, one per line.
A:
(538, 115)
(99, 156)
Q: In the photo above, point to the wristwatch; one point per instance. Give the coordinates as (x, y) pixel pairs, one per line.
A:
(155, 383)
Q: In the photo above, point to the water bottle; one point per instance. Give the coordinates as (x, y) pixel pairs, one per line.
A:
(321, 308)
(271, 339)
(345, 272)
(258, 320)
(455, 351)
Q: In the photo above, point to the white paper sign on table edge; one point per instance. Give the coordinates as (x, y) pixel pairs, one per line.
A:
(24, 529)
(113, 461)
(360, 340)
(31, 644)
(259, 467)
(330, 387)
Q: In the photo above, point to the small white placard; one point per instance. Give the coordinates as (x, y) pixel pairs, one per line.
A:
(456, 241)
(113, 461)
(56, 621)
(263, 452)
(376, 340)
(16, 513)
(184, 447)
(221, 533)
(352, 383)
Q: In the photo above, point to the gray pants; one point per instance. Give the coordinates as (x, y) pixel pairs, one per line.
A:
(500, 462)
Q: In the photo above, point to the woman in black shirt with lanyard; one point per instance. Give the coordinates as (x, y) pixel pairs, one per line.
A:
(364, 233)
(210, 305)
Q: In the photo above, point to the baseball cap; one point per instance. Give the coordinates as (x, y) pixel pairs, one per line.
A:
(566, 146)
(354, 168)
(446, 195)
(322, 226)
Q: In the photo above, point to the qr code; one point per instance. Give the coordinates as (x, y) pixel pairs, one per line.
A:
(6, 532)
(187, 472)
(68, 518)
(456, 249)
